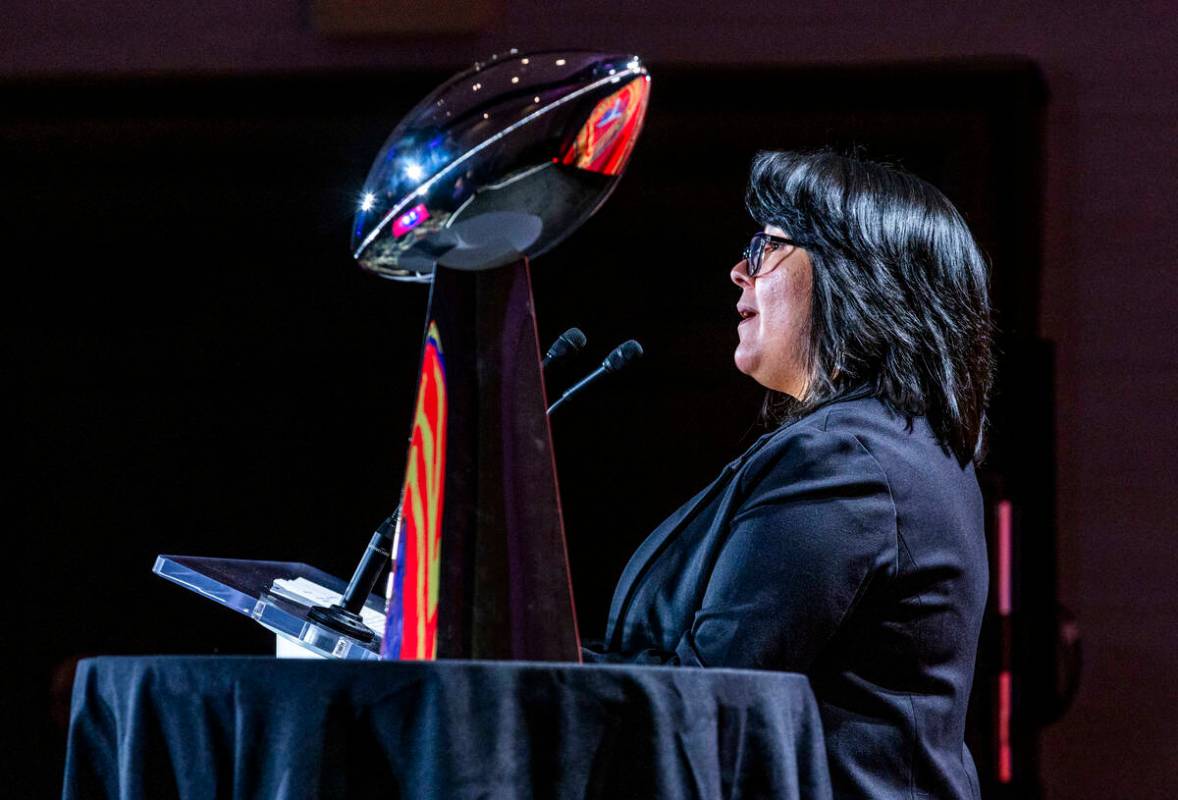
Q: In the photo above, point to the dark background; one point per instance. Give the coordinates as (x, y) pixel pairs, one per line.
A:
(194, 364)
(212, 375)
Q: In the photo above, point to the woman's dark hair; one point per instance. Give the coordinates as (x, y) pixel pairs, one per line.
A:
(900, 298)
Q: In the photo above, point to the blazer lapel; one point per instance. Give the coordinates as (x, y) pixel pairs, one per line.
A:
(649, 550)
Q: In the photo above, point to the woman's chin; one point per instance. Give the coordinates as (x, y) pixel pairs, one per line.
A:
(744, 362)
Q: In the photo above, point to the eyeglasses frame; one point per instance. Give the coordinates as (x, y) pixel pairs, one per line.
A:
(753, 268)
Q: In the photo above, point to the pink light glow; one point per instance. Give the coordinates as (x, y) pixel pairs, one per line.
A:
(1005, 767)
(410, 220)
(1005, 542)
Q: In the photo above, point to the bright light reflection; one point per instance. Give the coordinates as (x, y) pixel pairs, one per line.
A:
(414, 172)
(515, 79)
(368, 202)
(560, 62)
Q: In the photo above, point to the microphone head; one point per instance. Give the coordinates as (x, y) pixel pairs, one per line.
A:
(574, 337)
(571, 341)
(622, 355)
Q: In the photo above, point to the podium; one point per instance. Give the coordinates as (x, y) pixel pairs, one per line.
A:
(205, 727)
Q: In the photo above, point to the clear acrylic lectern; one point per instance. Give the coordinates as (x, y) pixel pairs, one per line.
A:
(278, 595)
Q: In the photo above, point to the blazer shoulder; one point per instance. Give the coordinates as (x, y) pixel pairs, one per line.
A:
(813, 447)
(863, 414)
(917, 464)
(849, 419)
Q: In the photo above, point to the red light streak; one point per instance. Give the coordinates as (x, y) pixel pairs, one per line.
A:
(1005, 536)
(1005, 768)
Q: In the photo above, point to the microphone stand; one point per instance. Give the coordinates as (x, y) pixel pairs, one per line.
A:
(568, 393)
(344, 617)
(618, 359)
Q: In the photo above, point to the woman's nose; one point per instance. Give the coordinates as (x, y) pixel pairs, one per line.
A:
(740, 275)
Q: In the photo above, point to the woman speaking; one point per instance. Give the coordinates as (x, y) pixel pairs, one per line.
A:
(847, 543)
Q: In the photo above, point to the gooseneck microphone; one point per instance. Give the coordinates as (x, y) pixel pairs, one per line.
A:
(620, 357)
(345, 616)
(571, 341)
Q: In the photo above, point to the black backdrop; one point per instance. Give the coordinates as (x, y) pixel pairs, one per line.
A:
(194, 365)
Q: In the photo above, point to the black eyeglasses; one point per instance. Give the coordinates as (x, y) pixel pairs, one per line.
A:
(763, 243)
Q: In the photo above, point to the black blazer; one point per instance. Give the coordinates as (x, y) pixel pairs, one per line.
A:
(849, 546)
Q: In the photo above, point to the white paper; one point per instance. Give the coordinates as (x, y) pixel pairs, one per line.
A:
(309, 593)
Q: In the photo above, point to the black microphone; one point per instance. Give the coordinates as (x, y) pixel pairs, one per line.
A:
(344, 617)
(621, 355)
(571, 341)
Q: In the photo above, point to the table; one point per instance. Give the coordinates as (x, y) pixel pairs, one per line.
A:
(243, 727)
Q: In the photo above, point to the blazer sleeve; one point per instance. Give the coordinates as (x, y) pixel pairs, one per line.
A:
(817, 528)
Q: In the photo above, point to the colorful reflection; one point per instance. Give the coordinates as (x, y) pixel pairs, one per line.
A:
(411, 627)
(410, 220)
(606, 139)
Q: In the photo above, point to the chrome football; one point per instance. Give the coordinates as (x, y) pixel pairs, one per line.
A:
(505, 159)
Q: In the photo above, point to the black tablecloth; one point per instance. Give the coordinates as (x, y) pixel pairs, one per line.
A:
(212, 727)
